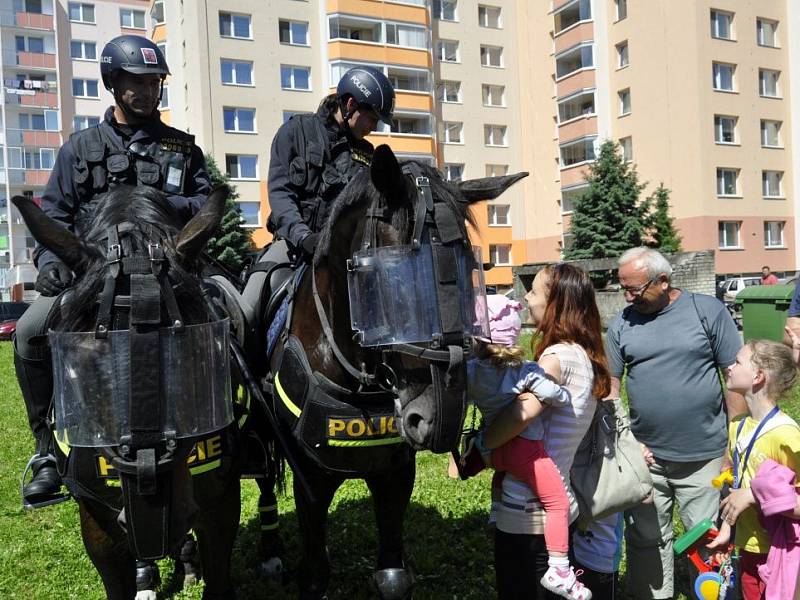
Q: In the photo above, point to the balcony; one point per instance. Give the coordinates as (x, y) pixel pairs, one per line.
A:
(29, 60)
(37, 176)
(378, 9)
(378, 53)
(33, 137)
(31, 98)
(33, 21)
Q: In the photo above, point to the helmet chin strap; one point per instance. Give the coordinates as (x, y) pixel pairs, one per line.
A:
(346, 116)
(131, 116)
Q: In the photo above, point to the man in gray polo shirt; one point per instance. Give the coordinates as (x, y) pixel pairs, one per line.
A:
(670, 344)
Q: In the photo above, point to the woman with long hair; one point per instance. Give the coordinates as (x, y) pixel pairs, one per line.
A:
(569, 347)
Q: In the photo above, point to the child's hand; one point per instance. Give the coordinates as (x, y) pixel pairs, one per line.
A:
(738, 501)
(648, 455)
(721, 543)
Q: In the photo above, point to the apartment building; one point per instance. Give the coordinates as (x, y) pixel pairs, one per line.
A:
(701, 96)
(51, 87)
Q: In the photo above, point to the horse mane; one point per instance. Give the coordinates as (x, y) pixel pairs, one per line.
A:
(152, 220)
(360, 191)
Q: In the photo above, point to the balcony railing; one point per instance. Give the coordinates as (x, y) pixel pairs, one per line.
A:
(26, 20)
(31, 60)
(31, 98)
(33, 137)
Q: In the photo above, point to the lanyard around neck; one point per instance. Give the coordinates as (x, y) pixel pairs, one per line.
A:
(737, 472)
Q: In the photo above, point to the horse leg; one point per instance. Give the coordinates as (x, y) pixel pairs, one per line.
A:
(147, 579)
(391, 492)
(217, 492)
(271, 544)
(108, 551)
(187, 562)
(314, 571)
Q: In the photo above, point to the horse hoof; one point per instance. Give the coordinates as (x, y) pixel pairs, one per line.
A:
(272, 568)
(146, 595)
(394, 584)
(189, 580)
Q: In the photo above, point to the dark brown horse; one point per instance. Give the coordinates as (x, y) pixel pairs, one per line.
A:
(137, 292)
(370, 366)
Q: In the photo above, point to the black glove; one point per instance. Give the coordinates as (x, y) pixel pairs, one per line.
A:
(53, 279)
(309, 244)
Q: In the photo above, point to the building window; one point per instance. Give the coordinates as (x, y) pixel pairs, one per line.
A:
(407, 36)
(499, 215)
(572, 14)
(494, 135)
(622, 9)
(354, 29)
(163, 47)
(408, 80)
(81, 12)
(624, 102)
(770, 133)
(767, 32)
(241, 166)
(773, 234)
(500, 254)
(725, 129)
(579, 151)
(496, 170)
(771, 184)
(447, 51)
(729, 234)
(293, 32)
(452, 132)
(453, 171)
(489, 16)
(131, 19)
(411, 125)
(31, 44)
(573, 60)
(722, 76)
(444, 10)
(491, 56)
(250, 213)
(295, 78)
(450, 91)
(494, 95)
(157, 12)
(237, 72)
(721, 24)
(577, 105)
(727, 182)
(80, 122)
(84, 88)
(239, 120)
(32, 122)
(235, 25)
(569, 196)
(626, 144)
(164, 102)
(768, 83)
(81, 50)
(622, 55)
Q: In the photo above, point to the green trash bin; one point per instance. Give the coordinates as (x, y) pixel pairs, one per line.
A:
(764, 310)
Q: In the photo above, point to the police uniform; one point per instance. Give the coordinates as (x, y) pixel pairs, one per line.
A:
(88, 163)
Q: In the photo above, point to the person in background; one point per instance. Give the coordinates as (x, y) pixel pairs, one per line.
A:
(768, 277)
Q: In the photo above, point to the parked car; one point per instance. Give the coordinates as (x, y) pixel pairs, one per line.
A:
(10, 312)
(730, 288)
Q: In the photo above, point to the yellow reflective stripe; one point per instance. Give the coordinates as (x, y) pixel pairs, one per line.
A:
(206, 467)
(62, 444)
(268, 508)
(243, 398)
(269, 527)
(362, 443)
(293, 408)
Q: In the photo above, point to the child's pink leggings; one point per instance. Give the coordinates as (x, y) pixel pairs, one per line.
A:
(528, 461)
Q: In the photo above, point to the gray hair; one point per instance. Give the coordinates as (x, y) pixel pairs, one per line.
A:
(652, 259)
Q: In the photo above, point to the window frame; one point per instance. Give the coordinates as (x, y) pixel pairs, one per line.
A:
(134, 12)
(489, 87)
(486, 8)
(719, 130)
(494, 250)
(85, 85)
(291, 41)
(587, 142)
(86, 119)
(488, 140)
(723, 233)
(446, 128)
(239, 176)
(81, 6)
(721, 189)
(759, 36)
(768, 236)
(622, 95)
(765, 184)
(440, 12)
(626, 145)
(236, 110)
(243, 222)
(715, 34)
(486, 51)
(623, 55)
(489, 170)
(716, 74)
(621, 10)
(232, 34)
(444, 95)
(764, 130)
(441, 54)
(491, 215)
(293, 87)
(233, 63)
(83, 44)
(762, 83)
(448, 174)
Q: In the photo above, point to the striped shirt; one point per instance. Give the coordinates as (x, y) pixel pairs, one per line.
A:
(564, 426)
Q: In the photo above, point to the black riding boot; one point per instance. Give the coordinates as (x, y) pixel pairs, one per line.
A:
(36, 382)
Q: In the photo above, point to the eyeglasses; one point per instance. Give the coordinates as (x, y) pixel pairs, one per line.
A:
(637, 290)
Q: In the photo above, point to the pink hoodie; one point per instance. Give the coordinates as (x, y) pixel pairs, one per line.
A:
(774, 490)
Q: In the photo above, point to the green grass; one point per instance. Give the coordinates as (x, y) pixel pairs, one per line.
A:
(42, 556)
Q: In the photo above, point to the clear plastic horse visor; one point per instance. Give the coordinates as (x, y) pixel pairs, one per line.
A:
(92, 383)
(394, 298)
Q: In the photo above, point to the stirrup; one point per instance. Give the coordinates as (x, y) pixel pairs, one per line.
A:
(57, 498)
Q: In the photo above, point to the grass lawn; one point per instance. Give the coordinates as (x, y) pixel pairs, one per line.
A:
(42, 556)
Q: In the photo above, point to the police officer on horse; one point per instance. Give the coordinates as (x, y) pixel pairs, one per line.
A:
(130, 146)
(313, 157)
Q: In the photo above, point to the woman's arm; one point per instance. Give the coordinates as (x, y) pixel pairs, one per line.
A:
(513, 420)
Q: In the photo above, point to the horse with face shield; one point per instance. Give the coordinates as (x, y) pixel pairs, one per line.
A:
(142, 381)
(369, 357)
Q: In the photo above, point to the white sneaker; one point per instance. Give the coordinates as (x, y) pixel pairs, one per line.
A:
(565, 584)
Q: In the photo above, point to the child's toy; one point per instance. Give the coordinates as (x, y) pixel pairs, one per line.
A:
(715, 579)
(720, 480)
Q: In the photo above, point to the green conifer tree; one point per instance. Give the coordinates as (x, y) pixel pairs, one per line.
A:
(232, 244)
(663, 234)
(608, 218)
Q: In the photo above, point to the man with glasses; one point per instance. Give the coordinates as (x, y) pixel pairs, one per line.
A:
(669, 344)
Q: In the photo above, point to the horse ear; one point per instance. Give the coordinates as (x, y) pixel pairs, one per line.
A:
(195, 234)
(386, 174)
(488, 188)
(52, 235)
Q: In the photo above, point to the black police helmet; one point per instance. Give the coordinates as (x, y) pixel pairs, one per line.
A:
(134, 54)
(369, 87)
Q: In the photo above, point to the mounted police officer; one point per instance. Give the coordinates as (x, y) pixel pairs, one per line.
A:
(313, 157)
(130, 146)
